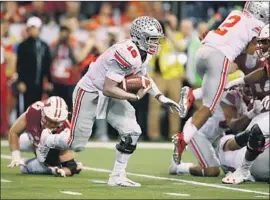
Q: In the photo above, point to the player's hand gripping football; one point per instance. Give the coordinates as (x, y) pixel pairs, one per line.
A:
(16, 160)
(169, 103)
(143, 91)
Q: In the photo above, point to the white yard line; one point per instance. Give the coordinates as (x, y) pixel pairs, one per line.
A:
(262, 196)
(177, 194)
(5, 181)
(111, 145)
(71, 193)
(170, 179)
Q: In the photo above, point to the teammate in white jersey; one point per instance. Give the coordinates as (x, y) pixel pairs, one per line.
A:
(98, 96)
(230, 112)
(254, 158)
(220, 48)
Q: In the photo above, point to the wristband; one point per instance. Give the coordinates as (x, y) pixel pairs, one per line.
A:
(16, 154)
(138, 98)
(158, 95)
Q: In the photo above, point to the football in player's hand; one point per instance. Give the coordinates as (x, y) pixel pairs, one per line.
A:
(133, 83)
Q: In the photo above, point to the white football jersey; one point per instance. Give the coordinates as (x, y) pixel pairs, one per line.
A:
(234, 34)
(120, 60)
(211, 129)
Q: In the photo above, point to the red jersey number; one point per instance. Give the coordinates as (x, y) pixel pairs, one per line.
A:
(230, 22)
(132, 51)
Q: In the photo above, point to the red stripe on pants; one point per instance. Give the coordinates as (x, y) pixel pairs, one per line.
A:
(198, 154)
(75, 114)
(222, 84)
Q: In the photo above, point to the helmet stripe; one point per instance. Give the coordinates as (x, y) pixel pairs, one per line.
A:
(60, 107)
(55, 114)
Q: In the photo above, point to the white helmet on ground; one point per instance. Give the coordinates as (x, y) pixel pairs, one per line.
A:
(54, 112)
(259, 9)
(145, 33)
(263, 42)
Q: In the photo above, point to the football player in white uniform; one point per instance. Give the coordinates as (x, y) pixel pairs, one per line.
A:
(230, 112)
(254, 158)
(98, 96)
(226, 43)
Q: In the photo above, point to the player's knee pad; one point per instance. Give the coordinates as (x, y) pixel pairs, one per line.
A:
(126, 146)
(242, 138)
(72, 166)
(256, 140)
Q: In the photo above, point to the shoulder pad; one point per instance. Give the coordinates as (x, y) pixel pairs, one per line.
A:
(127, 55)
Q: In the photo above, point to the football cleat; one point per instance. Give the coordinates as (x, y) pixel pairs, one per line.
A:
(43, 150)
(179, 146)
(186, 101)
(121, 180)
(240, 175)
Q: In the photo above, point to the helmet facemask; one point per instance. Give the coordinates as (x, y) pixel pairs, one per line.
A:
(151, 43)
(146, 33)
(263, 48)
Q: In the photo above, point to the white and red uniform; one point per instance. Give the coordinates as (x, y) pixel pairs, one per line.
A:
(29, 141)
(232, 160)
(219, 50)
(33, 123)
(120, 60)
(233, 35)
(204, 144)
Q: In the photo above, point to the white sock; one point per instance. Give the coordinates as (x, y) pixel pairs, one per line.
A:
(120, 162)
(189, 131)
(197, 93)
(183, 168)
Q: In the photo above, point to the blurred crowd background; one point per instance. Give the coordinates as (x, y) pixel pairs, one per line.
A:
(40, 59)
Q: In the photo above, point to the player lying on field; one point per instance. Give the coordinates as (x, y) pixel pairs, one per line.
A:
(231, 113)
(49, 116)
(259, 79)
(225, 43)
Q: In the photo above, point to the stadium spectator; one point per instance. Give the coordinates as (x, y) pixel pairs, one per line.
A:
(64, 69)
(33, 64)
(38, 10)
(72, 11)
(168, 73)
(12, 12)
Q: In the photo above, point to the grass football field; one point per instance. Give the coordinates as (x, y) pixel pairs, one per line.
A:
(148, 166)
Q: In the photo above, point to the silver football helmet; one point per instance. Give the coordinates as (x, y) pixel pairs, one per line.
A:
(263, 42)
(146, 33)
(259, 9)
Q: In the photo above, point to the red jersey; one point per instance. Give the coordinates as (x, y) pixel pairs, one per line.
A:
(259, 89)
(33, 122)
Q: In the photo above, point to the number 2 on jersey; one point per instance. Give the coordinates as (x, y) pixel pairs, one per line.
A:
(230, 22)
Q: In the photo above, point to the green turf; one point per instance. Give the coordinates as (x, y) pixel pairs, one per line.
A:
(144, 161)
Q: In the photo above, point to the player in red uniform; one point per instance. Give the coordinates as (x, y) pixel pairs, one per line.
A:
(50, 116)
